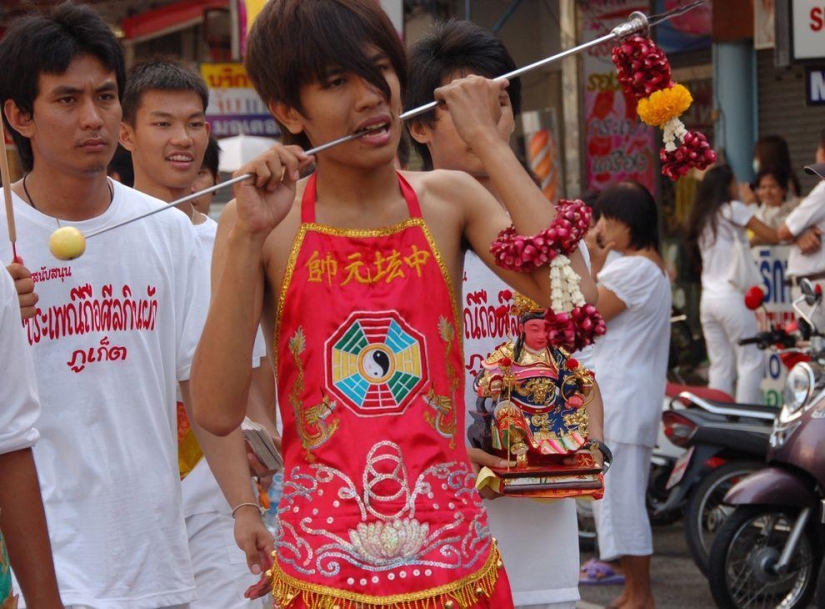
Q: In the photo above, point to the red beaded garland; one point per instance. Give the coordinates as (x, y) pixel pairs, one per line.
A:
(568, 330)
(576, 329)
(524, 254)
(643, 69)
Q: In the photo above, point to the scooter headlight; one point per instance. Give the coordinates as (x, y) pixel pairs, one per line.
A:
(798, 387)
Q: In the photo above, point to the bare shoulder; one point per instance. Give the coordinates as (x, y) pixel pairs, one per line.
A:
(442, 183)
(443, 190)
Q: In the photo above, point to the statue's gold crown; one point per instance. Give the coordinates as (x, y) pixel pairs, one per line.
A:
(524, 306)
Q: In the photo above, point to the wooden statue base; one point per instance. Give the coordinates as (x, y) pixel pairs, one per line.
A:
(553, 480)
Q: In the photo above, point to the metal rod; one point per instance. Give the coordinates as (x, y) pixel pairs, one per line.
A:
(637, 23)
(216, 187)
(4, 168)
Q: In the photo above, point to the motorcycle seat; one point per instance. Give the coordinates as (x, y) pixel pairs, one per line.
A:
(673, 390)
(757, 411)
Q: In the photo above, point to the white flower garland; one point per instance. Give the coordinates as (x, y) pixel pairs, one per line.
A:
(674, 129)
(565, 294)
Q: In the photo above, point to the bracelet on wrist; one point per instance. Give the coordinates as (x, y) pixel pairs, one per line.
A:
(606, 453)
(261, 510)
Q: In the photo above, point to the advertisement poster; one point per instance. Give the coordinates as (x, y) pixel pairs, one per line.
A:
(687, 32)
(618, 146)
(777, 311)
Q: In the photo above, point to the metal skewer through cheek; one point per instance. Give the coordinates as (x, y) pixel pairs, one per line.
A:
(638, 22)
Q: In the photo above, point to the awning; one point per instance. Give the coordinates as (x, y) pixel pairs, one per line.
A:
(168, 19)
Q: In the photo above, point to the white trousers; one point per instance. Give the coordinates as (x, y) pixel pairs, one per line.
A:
(734, 369)
(539, 543)
(621, 515)
(221, 573)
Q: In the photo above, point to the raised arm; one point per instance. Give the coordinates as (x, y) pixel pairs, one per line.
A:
(476, 105)
(221, 372)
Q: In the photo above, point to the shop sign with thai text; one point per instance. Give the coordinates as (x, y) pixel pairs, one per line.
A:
(234, 106)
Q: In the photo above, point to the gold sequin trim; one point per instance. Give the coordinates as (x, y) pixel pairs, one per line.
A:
(462, 593)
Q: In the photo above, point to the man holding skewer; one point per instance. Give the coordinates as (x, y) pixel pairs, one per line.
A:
(354, 270)
(113, 332)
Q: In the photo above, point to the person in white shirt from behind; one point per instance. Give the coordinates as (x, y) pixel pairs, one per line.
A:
(804, 226)
(717, 225)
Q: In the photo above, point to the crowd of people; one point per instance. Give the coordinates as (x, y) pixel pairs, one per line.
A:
(126, 481)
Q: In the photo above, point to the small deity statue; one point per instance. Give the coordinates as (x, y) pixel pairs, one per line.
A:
(531, 410)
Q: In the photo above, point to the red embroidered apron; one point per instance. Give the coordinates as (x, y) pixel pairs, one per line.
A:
(378, 507)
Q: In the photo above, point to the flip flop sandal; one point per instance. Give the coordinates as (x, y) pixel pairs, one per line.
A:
(597, 573)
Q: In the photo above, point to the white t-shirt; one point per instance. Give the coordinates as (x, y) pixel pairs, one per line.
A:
(718, 254)
(19, 404)
(524, 528)
(631, 358)
(114, 333)
(201, 492)
(810, 212)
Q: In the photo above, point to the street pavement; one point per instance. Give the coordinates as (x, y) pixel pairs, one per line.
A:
(677, 583)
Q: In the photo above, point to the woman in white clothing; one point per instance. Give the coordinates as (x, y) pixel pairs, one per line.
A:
(631, 359)
(716, 227)
(775, 201)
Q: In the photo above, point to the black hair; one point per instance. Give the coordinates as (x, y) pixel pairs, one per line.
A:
(41, 43)
(121, 164)
(403, 152)
(773, 151)
(159, 75)
(455, 47)
(294, 43)
(212, 156)
(711, 194)
(632, 204)
(777, 173)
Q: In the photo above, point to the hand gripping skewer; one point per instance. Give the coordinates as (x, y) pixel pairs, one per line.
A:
(637, 23)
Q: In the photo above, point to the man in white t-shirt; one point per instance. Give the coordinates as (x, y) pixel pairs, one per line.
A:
(164, 127)
(22, 519)
(114, 330)
(525, 529)
(804, 226)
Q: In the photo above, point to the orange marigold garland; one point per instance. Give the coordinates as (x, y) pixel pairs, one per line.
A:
(644, 72)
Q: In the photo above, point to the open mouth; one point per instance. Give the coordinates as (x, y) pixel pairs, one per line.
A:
(180, 158)
(374, 130)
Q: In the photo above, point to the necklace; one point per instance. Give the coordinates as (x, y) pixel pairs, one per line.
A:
(31, 201)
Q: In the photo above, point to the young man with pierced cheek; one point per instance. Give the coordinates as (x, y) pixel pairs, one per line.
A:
(379, 505)
(165, 129)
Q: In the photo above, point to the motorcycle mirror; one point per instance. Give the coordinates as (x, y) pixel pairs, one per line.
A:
(754, 298)
(812, 295)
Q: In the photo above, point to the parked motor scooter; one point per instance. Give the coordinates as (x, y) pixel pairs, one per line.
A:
(724, 442)
(768, 551)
